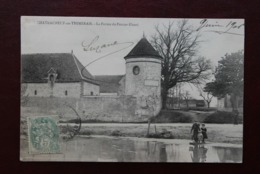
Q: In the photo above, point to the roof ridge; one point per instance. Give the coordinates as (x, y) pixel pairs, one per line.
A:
(143, 49)
(91, 79)
(74, 58)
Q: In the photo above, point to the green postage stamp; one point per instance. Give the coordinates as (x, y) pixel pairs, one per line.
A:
(43, 133)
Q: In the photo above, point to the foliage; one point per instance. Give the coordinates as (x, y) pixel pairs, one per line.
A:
(163, 134)
(221, 117)
(229, 76)
(203, 109)
(172, 117)
(87, 132)
(178, 48)
(116, 133)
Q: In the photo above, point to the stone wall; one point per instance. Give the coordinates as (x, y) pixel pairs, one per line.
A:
(101, 108)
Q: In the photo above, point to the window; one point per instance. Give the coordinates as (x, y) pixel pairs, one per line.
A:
(35, 92)
(66, 92)
(136, 70)
(51, 77)
(91, 93)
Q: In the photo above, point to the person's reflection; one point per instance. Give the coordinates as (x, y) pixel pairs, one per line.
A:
(199, 153)
(195, 154)
(204, 151)
(163, 154)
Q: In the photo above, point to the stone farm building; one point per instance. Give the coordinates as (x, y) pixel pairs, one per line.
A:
(62, 75)
(56, 75)
(48, 79)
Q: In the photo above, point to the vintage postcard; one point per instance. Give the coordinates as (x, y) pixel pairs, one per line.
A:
(132, 89)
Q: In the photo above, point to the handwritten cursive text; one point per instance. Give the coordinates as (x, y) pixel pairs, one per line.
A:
(92, 46)
(230, 28)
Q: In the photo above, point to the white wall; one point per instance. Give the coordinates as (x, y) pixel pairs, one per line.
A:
(45, 90)
(88, 88)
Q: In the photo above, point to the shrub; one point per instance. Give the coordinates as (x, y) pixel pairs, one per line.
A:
(164, 134)
(221, 117)
(204, 109)
(168, 116)
(86, 132)
(116, 133)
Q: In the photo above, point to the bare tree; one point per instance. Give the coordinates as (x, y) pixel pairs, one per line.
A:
(186, 97)
(178, 48)
(207, 97)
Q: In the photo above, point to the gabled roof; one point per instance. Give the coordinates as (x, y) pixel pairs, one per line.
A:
(35, 68)
(109, 83)
(143, 49)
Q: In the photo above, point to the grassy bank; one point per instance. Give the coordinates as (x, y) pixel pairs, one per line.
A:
(217, 133)
(220, 133)
(189, 116)
(176, 123)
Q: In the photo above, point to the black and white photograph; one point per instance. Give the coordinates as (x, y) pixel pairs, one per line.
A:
(104, 89)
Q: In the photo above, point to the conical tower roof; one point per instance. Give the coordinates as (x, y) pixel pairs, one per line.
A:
(143, 49)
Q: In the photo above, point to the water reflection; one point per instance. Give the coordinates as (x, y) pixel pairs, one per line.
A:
(163, 154)
(127, 150)
(199, 153)
(229, 154)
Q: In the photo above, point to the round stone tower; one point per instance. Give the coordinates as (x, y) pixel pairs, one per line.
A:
(143, 70)
(143, 74)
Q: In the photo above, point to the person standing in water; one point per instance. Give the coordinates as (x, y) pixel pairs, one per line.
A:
(204, 132)
(195, 131)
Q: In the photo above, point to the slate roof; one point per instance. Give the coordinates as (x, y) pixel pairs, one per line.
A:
(109, 83)
(35, 68)
(143, 49)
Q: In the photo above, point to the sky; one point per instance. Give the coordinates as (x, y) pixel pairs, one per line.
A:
(83, 35)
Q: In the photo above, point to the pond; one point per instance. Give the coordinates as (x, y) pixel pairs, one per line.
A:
(109, 149)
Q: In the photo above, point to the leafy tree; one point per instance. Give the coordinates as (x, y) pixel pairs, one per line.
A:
(178, 47)
(229, 78)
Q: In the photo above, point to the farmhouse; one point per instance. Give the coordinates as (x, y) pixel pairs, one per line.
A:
(62, 75)
(48, 79)
(56, 75)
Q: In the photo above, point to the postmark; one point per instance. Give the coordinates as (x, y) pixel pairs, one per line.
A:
(43, 134)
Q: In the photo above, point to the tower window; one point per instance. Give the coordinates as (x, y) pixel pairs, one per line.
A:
(66, 92)
(136, 70)
(91, 93)
(35, 92)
